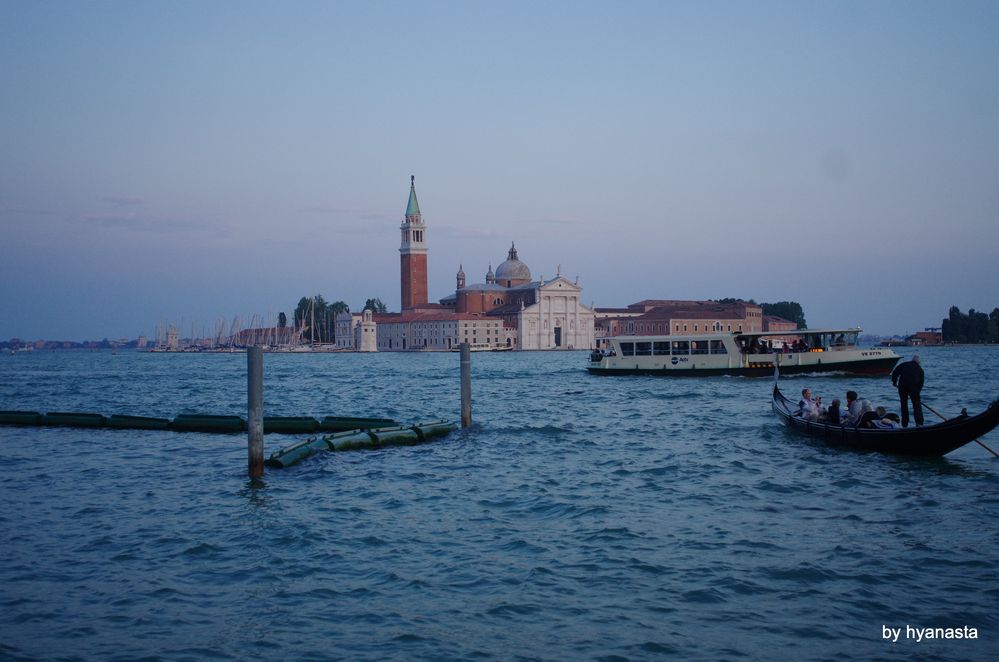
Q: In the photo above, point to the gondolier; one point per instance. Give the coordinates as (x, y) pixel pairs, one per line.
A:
(908, 377)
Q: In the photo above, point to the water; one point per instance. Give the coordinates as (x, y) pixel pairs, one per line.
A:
(582, 517)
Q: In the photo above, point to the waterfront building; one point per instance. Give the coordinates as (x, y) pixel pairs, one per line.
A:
(344, 325)
(928, 336)
(365, 333)
(508, 311)
(439, 330)
(678, 317)
(540, 314)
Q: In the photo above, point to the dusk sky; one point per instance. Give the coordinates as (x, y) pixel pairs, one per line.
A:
(195, 161)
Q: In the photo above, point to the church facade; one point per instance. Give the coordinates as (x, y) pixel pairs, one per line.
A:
(509, 310)
(540, 314)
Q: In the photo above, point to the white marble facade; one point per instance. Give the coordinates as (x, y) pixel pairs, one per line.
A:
(557, 319)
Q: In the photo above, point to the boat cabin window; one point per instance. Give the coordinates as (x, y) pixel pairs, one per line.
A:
(627, 349)
(660, 348)
(643, 349)
(699, 347)
(718, 347)
(681, 347)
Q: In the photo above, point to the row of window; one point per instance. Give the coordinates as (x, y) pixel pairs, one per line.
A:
(678, 328)
(674, 348)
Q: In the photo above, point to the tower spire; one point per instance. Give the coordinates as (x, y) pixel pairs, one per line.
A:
(413, 208)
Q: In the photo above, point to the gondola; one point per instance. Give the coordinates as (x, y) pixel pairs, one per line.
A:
(925, 441)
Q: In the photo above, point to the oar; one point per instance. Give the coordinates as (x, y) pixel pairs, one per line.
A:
(945, 418)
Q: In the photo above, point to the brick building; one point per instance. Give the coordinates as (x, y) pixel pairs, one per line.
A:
(677, 317)
(509, 310)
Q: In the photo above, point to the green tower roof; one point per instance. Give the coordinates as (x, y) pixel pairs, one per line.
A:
(413, 208)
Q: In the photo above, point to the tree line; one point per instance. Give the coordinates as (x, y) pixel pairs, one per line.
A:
(789, 310)
(317, 318)
(973, 327)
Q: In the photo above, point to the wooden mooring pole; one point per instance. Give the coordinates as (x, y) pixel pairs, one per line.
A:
(466, 385)
(255, 410)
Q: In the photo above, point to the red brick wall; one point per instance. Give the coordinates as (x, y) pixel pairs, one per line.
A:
(414, 280)
(471, 301)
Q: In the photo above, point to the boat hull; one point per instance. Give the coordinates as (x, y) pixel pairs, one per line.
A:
(926, 441)
(872, 367)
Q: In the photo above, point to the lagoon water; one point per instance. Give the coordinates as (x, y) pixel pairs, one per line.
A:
(582, 517)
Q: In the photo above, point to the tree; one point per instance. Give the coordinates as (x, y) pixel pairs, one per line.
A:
(973, 327)
(282, 320)
(312, 317)
(302, 312)
(789, 310)
(951, 326)
(978, 327)
(375, 306)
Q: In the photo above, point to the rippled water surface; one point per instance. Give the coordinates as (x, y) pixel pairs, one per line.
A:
(581, 517)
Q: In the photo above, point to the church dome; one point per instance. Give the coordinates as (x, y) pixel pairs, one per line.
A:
(513, 268)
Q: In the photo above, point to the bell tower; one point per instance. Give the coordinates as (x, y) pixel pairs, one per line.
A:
(413, 253)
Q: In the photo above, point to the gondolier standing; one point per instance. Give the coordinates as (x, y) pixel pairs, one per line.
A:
(908, 377)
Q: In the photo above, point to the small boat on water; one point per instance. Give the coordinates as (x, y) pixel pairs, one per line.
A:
(751, 354)
(928, 440)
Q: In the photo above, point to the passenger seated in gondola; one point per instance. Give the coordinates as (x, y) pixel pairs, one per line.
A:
(883, 421)
(832, 413)
(853, 412)
(867, 415)
(806, 406)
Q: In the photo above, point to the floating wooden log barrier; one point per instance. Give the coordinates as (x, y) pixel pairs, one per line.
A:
(358, 439)
(295, 453)
(346, 423)
(195, 422)
(290, 424)
(349, 440)
(20, 418)
(120, 422)
(432, 429)
(206, 423)
(73, 420)
(395, 436)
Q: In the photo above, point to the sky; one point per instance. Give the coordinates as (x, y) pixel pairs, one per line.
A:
(190, 162)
